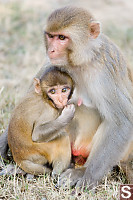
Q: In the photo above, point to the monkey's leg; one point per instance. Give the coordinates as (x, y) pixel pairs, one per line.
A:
(60, 165)
(62, 160)
(34, 168)
(105, 153)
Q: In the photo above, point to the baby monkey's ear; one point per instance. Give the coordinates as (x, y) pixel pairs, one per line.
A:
(37, 86)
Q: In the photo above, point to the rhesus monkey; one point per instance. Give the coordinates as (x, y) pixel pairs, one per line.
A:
(73, 38)
(101, 78)
(42, 115)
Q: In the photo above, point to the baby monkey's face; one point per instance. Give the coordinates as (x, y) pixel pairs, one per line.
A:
(59, 94)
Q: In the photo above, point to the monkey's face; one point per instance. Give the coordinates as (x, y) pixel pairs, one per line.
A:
(68, 46)
(69, 35)
(57, 47)
(59, 95)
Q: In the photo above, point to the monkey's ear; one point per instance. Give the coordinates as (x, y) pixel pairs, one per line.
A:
(37, 86)
(94, 29)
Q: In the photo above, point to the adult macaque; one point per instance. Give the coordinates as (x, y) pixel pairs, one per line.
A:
(42, 115)
(101, 78)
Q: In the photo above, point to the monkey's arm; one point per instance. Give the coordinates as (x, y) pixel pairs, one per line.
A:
(51, 130)
(112, 137)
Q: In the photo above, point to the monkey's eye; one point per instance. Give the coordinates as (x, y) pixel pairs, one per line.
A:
(52, 91)
(49, 35)
(64, 89)
(62, 37)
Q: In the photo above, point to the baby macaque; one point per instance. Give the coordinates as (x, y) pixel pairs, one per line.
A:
(37, 132)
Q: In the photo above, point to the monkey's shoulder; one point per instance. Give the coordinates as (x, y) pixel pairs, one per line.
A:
(47, 114)
(32, 108)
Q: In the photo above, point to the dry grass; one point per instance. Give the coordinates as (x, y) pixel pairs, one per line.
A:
(22, 54)
(44, 188)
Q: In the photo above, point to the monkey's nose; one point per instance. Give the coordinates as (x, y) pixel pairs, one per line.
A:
(52, 51)
(60, 99)
(52, 54)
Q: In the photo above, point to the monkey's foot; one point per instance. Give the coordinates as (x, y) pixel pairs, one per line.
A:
(84, 183)
(71, 177)
(78, 178)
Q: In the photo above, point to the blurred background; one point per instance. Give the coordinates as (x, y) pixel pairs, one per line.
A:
(22, 50)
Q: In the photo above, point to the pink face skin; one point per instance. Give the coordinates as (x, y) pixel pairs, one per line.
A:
(57, 44)
(59, 94)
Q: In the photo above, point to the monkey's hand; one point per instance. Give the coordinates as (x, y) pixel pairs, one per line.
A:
(67, 113)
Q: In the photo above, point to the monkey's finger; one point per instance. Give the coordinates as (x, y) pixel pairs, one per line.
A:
(71, 101)
(68, 178)
(80, 183)
(67, 182)
(65, 174)
(72, 107)
(85, 184)
(64, 179)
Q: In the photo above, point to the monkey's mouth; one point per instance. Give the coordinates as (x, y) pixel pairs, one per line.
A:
(60, 106)
(58, 61)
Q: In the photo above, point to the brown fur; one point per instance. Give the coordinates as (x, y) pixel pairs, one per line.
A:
(34, 111)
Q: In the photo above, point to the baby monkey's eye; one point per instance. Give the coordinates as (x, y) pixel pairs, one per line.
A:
(64, 89)
(62, 37)
(52, 91)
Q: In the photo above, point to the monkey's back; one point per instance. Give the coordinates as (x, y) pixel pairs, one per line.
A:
(21, 125)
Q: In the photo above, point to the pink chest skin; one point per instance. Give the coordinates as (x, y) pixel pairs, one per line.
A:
(82, 151)
(79, 155)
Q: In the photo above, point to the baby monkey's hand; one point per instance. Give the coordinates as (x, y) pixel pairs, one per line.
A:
(67, 113)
